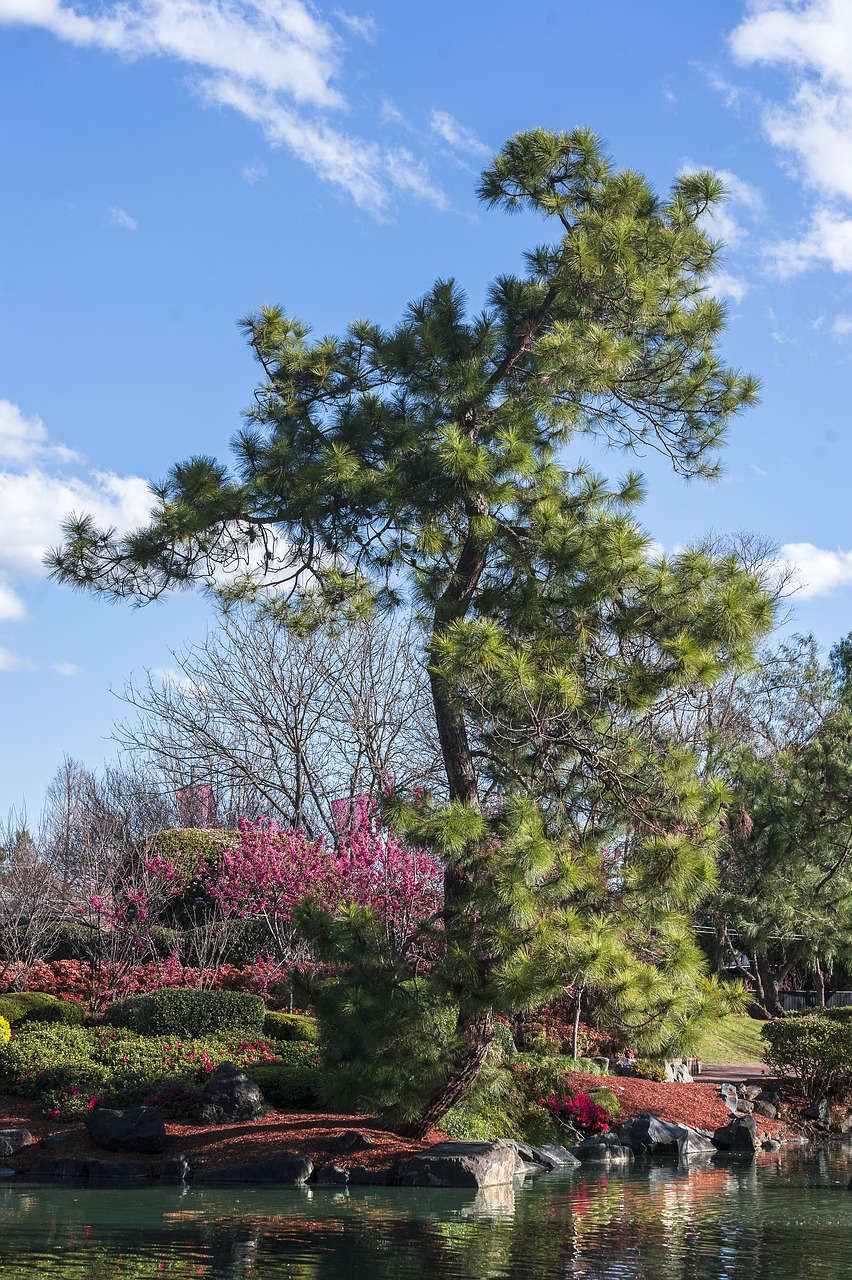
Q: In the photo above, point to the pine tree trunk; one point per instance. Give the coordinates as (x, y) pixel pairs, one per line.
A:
(769, 987)
(478, 1032)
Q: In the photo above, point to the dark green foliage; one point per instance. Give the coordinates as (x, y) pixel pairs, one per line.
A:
(36, 1006)
(175, 1011)
(291, 1026)
(292, 1085)
(190, 849)
(814, 1047)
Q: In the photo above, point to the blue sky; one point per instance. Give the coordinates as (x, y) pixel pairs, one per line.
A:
(169, 165)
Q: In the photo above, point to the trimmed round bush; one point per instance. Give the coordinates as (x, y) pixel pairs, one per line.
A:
(643, 1069)
(287, 1085)
(176, 1011)
(814, 1045)
(607, 1099)
(37, 1006)
(291, 1026)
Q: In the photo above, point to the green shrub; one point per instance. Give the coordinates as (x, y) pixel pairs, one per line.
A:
(644, 1069)
(607, 1099)
(37, 1006)
(815, 1046)
(289, 1085)
(5, 1031)
(176, 1011)
(543, 1076)
(480, 1120)
(300, 1027)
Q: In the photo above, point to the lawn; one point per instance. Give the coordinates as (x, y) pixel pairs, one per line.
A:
(735, 1038)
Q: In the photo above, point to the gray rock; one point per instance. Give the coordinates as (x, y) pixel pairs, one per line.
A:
(459, 1164)
(291, 1170)
(603, 1063)
(229, 1095)
(363, 1177)
(646, 1132)
(600, 1148)
(738, 1135)
(175, 1170)
(772, 1096)
(693, 1144)
(764, 1109)
(117, 1170)
(55, 1140)
(770, 1144)
(553, 1156)
(624, 1066)
(12, 1140)
(678, 1073)
(351, 1140)
(750, 1091)
(330, 1175)
(744, 1107)
(5, 1172)
(135, 1129)
(66, 1168)
(818, 1112)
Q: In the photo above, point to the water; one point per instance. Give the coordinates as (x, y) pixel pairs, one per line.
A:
(784, 1218)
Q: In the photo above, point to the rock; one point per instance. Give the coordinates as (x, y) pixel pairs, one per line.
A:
(693, 1143)
(6, 1172)
(135, 1129)
(363, 1177)
(459, 1164)
(678, 1073)
(12, 1140)
(330, 1175)
(603, 1148)
(738, 1135)
(818, 1112)
(750, 1091)
(624, 1067)
(54, 1140)
(117, 1170)
(770, 1144)
(553, 1156)
(175, 1170)
(772, 1096)
(229, 1095)
(603, 1063)
(351, 1141)
(292, 1170)
(67, 1168)
(729, 1096)
(744, 1107)
(764, 1109)
(646, 1132)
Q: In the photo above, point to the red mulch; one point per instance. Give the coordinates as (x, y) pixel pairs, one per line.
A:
(310, 1132)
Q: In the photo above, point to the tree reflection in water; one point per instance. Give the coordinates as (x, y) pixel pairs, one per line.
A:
(767, 1221)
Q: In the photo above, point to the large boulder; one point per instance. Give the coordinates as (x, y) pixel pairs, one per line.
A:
(12, 1140)
(229, 1095)
(117, 1171)
(603, 1148)
(646, 1133)
(134, 1129)
(350, 1141)
(459, 1164)
(678, 1073)
(739, 1135)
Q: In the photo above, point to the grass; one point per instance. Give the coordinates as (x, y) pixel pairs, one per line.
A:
(735, 1038)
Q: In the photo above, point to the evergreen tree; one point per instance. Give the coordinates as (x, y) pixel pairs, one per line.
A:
(427, 464)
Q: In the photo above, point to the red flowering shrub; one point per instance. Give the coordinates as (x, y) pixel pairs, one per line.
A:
(578, 1112)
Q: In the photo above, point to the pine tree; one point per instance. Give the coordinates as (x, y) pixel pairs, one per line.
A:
(428, 464)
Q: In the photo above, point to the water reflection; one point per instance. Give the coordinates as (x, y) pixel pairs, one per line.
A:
(765, 1221)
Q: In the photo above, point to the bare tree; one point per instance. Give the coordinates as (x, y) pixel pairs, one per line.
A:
(284, 723)
(30, 901)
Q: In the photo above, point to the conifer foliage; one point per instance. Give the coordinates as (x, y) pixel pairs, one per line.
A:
(428, 464)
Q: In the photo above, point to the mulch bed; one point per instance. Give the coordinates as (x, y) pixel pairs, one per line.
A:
(312, 1133)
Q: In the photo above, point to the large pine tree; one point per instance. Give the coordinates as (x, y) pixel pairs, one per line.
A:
(429, 465)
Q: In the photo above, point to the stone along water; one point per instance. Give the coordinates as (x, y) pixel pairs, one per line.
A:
(778, 1219)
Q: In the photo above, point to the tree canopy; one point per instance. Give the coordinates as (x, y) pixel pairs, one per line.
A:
(427, 465)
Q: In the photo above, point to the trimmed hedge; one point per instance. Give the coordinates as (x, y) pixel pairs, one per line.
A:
(37, 1006)
(608, 1100)
(291, 1026)
(176, 1011)
(815, 1045)
(288, 1085)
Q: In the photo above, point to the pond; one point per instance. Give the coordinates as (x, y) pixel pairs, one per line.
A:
(779, 1219)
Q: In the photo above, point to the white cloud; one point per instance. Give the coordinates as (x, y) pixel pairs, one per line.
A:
(457, 135)
(24, 440)
(274, 61)
(254, 172)
(362, 25)
(10, 661)
(12, 608)
(811, 122)
(842, 326)
(66, 668)
(817, 572)
(725, 285)
(121, 218)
